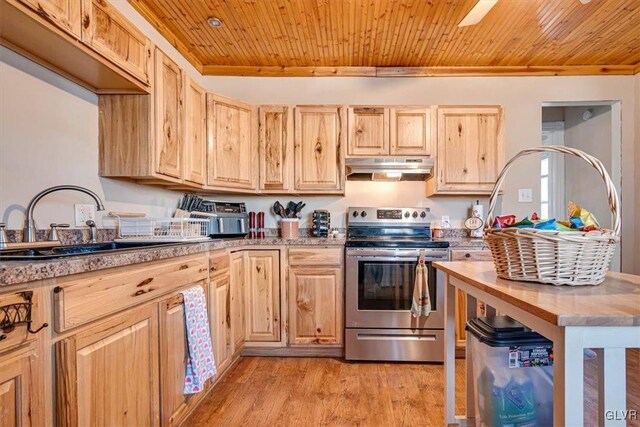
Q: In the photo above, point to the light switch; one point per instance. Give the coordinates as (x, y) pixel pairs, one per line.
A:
(525, 195)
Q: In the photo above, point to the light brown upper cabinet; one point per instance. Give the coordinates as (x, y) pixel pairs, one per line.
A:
(368, 131)
(262, 296)
(320, 133)
(113, 36)
(65, 14)
(411, 129)
(276, 148)
(232, 154)
(470, 152)
(169, 116)
(195, 143)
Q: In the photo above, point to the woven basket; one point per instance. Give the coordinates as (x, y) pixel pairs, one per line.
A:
(549, 256)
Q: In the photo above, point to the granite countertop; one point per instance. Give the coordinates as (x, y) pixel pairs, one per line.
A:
(16, 272)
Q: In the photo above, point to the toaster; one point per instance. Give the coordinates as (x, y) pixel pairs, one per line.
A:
(226, 219)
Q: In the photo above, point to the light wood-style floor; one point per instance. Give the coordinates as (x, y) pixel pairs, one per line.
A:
(262, 391)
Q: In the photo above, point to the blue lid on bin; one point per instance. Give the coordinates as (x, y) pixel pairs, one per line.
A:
(503, 331)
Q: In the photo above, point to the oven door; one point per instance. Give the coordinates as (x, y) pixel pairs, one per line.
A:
(379, 289)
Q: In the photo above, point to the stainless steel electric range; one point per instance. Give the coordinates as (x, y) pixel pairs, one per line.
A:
(383, 246)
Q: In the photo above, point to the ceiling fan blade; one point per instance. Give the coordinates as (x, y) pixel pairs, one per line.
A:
(478, 12)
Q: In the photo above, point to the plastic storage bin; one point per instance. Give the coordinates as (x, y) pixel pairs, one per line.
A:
(513, 371)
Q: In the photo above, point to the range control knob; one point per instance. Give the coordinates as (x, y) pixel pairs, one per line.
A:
(406, 214)
(423, 214)
(355, 214)
(363, 214)
(415, 214)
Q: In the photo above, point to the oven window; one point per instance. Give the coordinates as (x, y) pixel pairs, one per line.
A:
(388, 285)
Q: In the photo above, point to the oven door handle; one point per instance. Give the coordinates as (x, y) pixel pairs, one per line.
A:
(405, 253)
(382, 258)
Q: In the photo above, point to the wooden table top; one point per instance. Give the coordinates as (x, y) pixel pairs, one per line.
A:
(615, 302)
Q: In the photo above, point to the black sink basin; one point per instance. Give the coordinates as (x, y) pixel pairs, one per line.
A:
(64, 251)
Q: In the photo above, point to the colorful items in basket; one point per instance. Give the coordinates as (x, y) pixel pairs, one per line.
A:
(580, 220)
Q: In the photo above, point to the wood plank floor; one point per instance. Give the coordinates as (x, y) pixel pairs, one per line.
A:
(262, 391)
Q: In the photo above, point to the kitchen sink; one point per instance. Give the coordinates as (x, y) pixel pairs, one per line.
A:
(65, 251)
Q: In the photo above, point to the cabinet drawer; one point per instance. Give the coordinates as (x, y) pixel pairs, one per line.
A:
(218, 263)
(19, 335)
(471, 255)
(314, 256)
(83, 300)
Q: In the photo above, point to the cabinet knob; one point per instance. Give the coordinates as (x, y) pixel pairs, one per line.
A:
(467, 255)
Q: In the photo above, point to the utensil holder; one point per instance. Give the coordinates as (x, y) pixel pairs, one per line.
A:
(289, 228)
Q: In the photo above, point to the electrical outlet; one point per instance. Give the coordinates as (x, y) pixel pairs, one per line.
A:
(444, 221)
(525, 195)
(84, 213)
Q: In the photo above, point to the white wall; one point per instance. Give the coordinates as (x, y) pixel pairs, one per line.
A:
(636, 260)
(48, 133)
(583, 185)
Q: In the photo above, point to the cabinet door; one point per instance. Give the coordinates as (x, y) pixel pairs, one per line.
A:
(195, 144)
(319, 148)
(220, 318)
(262, 296)
(114, 37)
(108, 373)
(470, 148)
(411, 131)
(232, 154)
(63, 13)
(368, 131)
(237, 305)
(173, 361)
(276, 148)
(315, 305)
(20, 393)
(169, 116)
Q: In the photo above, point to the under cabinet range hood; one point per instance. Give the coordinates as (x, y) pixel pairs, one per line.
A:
(389, 169)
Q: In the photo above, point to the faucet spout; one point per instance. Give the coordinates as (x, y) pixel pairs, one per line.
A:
(29, 232)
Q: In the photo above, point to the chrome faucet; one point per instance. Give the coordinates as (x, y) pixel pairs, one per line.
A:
(29, 232)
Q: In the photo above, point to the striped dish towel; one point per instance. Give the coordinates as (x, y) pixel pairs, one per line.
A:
(200, 363)
(421, 304)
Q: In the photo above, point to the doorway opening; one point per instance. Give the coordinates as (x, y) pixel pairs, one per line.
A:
(593, 127)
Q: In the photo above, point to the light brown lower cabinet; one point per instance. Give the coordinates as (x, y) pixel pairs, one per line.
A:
(236, 305)
(262, 296)
(315, 305)
(20, 388)
(108, 372)
(173, 361)
(220, 319)
(461, 297)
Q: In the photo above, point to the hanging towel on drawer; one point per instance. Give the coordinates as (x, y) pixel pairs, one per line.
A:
(200, 363)
(421, 304)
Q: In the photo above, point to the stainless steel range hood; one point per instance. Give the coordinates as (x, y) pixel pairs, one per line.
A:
(389, 169)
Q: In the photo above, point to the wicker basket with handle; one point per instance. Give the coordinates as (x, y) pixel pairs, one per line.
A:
(550, 256)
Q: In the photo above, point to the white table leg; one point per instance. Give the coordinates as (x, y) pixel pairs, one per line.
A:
(472, 312)
(568, 379)
(449, 354)
(612, 387)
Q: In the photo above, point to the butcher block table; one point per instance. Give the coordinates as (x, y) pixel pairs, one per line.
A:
(606, 316)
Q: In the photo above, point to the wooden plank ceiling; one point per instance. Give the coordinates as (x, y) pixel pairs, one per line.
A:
(401, 37)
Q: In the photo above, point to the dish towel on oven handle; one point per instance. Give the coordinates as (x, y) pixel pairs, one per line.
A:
(200, 363)
(421, 304)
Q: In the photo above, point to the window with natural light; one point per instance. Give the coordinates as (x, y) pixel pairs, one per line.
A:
(544, 186)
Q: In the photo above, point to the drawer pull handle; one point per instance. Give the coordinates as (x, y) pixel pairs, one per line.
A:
(57, 290)
(3, 337)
